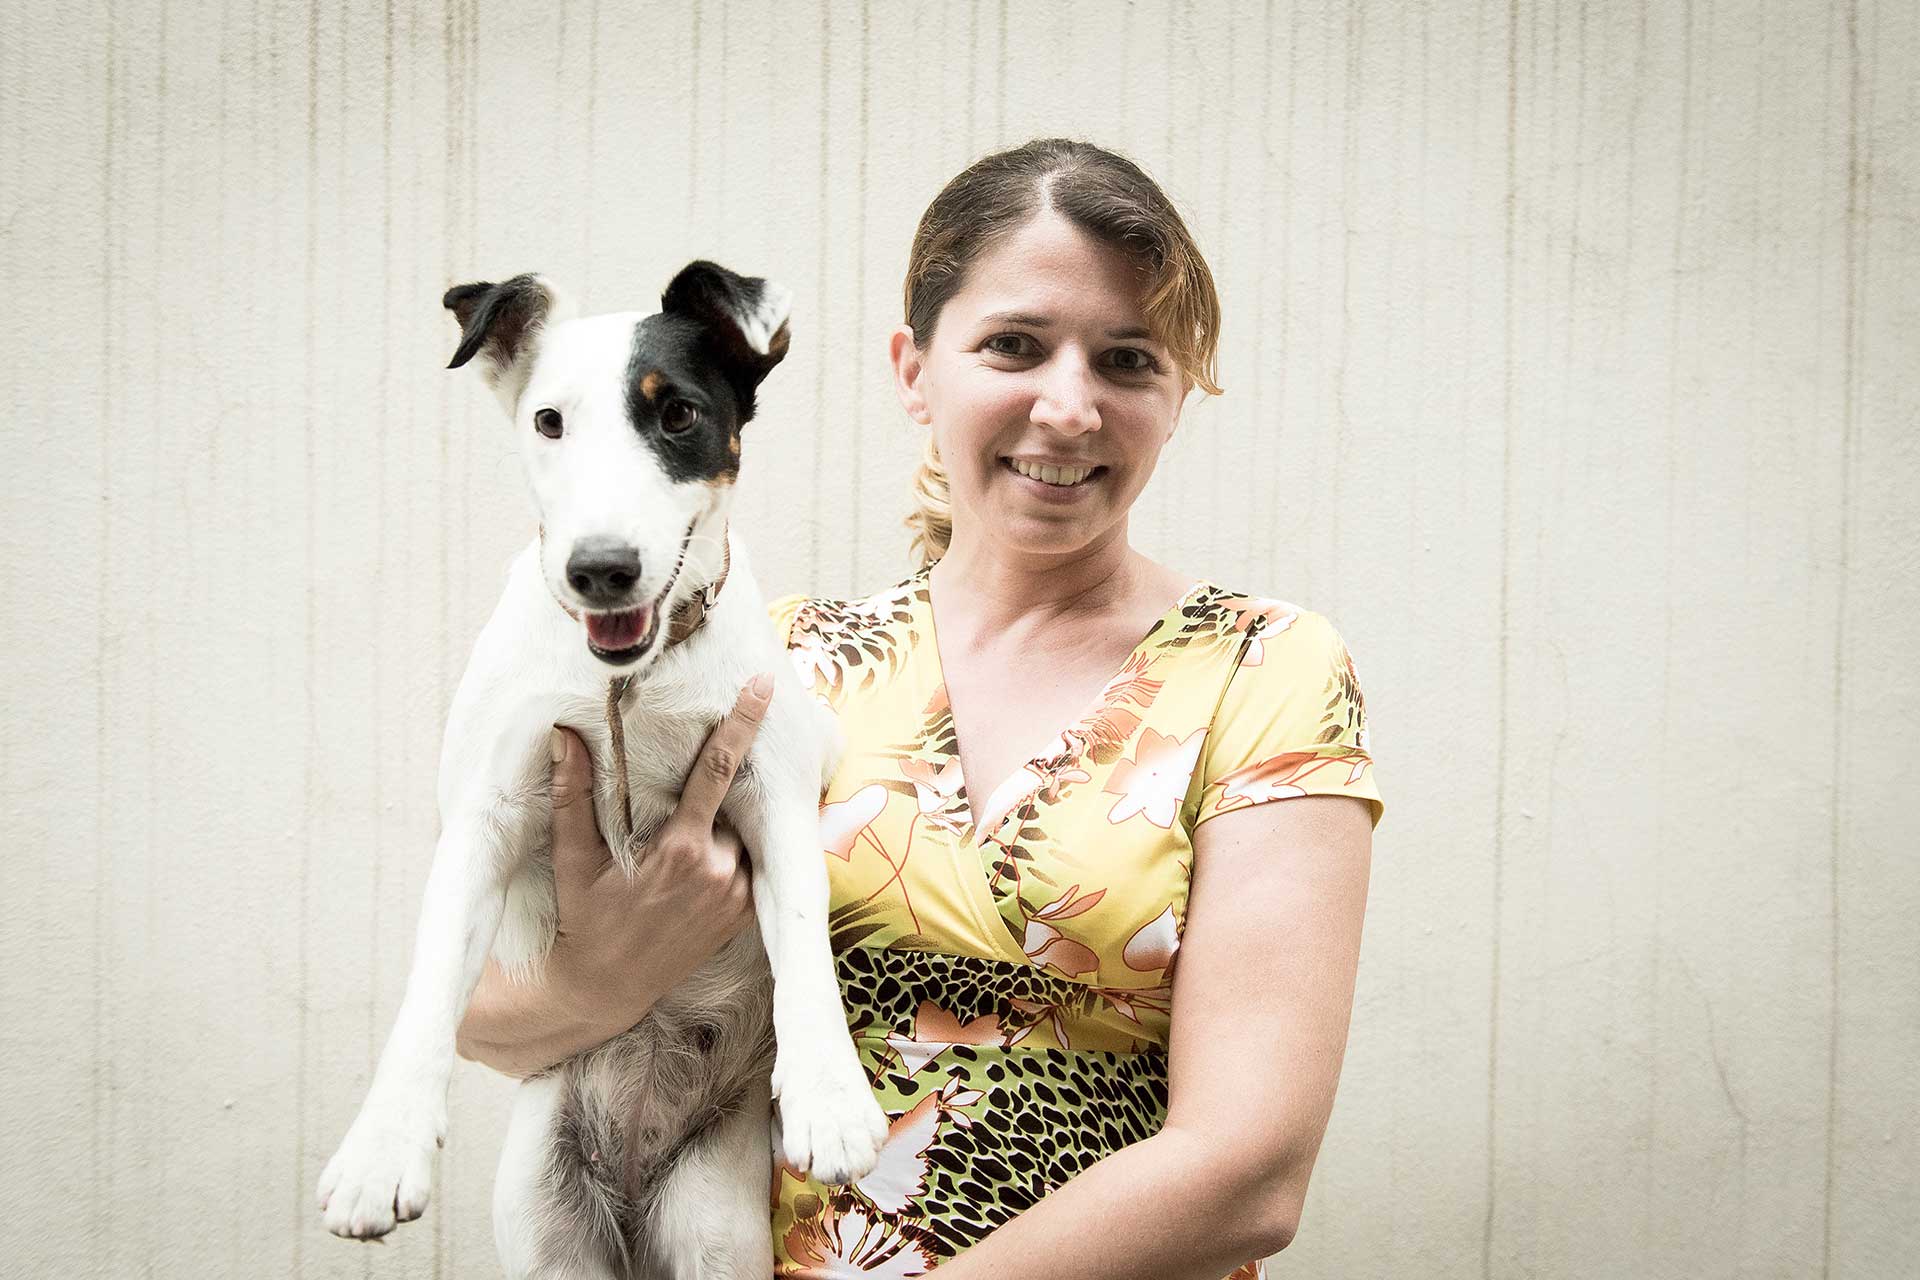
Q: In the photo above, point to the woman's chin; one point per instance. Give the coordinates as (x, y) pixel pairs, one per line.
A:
(1046, 533)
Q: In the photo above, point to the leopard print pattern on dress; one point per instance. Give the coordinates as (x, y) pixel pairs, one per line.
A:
(1038, 1116)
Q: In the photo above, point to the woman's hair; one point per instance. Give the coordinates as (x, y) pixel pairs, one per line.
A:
(1105, 195)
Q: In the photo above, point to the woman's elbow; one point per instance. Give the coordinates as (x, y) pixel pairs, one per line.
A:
(1273, 1202)
(1277, 1232)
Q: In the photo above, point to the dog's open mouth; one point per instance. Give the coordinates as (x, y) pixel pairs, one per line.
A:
(621, 637)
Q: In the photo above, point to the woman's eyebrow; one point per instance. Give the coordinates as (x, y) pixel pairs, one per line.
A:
(1026, 318)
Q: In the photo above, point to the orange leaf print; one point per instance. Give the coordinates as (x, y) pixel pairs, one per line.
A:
(933, 787)
(935, 1031)
(1046, 945)
(1274, 778)
(851, 1244)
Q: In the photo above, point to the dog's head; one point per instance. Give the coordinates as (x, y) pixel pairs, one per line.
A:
(629, 425)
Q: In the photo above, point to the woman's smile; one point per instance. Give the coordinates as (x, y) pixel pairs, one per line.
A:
(1053, 482)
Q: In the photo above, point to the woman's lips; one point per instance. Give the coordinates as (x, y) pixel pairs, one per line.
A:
(1055, 492)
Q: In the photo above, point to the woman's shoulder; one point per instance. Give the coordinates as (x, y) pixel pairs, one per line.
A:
(800, 616)
(1247, 624)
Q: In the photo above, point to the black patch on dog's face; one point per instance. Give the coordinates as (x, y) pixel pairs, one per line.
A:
(697, 351)
(674, 359)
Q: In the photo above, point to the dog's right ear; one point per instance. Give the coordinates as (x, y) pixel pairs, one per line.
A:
(501, 323)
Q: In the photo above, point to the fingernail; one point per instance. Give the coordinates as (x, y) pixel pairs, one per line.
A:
(762, 684)
(556, 746)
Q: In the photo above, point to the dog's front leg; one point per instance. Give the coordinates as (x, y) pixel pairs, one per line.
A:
(383, 1170)
(830, 1123)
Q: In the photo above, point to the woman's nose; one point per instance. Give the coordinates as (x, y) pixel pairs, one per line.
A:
(1067, 399)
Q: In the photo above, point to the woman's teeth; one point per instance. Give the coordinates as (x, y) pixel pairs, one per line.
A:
(1063, 476)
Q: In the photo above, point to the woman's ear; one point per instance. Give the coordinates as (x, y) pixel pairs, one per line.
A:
(908, 369)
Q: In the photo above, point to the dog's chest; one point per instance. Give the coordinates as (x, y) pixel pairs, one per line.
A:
(657, 747)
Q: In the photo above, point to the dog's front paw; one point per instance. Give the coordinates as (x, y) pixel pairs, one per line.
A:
(383, 1172)
(829, 1124)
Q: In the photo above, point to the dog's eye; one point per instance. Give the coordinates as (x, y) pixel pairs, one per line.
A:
(678, 416)
(547, 423)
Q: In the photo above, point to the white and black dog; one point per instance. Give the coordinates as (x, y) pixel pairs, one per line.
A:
(650, 1155)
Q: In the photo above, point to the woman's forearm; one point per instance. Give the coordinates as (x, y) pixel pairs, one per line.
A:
(520, 1028)
(1162, 1209)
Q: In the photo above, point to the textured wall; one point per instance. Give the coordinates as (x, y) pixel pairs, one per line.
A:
(1571, 363)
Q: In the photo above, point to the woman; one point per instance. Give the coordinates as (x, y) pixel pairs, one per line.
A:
(1006, 949)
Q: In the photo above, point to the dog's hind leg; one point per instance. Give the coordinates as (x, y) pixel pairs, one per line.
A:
(538, 1234)
(710, 1220)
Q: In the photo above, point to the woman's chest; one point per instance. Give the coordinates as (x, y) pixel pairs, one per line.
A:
(1073, 859)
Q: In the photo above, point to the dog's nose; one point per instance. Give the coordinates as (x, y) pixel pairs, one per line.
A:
(603, 571)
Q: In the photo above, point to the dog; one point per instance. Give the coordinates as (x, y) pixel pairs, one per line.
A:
(633, 618)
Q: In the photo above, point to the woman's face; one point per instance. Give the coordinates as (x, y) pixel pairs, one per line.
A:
(1048, 398)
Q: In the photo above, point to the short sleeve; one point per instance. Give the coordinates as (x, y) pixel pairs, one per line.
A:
(1291, 722)
(781, 613)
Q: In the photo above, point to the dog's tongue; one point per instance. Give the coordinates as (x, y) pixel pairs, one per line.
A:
(616, 631)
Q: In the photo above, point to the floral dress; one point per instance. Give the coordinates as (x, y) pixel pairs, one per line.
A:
(1009, 986)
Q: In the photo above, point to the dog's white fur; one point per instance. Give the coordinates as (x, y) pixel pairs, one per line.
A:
(491, 879)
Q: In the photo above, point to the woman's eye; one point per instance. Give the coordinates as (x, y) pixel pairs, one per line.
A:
(1133, 360)
(1009, 344)
(547, 423)
(678, 416)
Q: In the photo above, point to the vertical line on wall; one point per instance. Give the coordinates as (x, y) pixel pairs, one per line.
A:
(309, 774)
(1349, 200)
(449, 208)
(854, 476)
(1257, 341)
(1170, 82)
(820, 294)
(720, 133)
(1274, 486)
(150, 821)
(385, 430)
(1506, 568)
(1666, 647)
(1000, 79)
(562, 111)
(224, 165)
(593, 110)
(98, 1141)
(973, 66)
(471, 171)
(1222, 245)
(693, 114)
(1859, 225)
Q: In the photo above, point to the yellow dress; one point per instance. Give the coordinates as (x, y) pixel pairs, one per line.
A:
(1009, 988)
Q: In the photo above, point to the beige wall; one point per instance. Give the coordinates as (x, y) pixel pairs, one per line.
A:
(1571, 363)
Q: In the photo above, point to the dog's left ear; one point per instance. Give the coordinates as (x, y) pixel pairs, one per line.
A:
(502, 323)
(745, 317)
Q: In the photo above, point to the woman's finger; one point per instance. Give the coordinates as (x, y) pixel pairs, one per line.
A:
(578, 850)
(720, 758)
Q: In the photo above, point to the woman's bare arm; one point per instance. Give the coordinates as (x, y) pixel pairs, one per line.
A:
(622, 941)
(1262, 996)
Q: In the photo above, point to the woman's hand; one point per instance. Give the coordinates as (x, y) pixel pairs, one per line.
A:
(621, 942)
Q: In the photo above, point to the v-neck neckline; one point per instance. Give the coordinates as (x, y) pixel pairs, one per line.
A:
(963, 794)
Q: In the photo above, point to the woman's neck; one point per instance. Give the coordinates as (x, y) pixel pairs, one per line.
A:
(988, 590)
